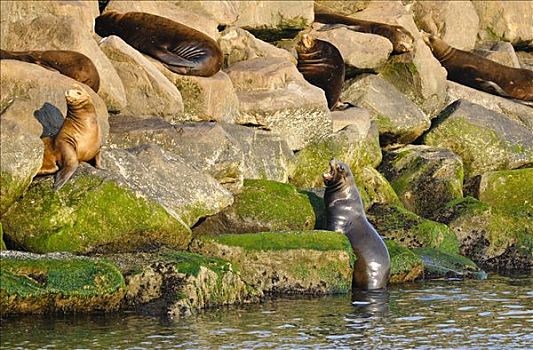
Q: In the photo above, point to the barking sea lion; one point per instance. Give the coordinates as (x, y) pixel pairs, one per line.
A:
(181, 49)
(345, 213)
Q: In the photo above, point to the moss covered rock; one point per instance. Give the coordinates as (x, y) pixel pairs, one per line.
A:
(405, 264)
(438, 264)
(300, 262)
(2, 243)
(399, 120)
(494, 239)
(53, 283)
(374, 188)
(262, 205)
(509, 191)
(411, 230)
(94, 211)
(485, 140)
(177, 283)
(425, 178)
(356, 145)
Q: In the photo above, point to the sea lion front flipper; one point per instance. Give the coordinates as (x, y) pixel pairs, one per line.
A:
(172, 59)
(69, 166)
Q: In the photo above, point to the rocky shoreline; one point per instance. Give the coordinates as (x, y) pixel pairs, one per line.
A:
(211, 192)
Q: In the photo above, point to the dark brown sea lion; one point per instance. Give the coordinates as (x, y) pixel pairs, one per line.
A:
(70, 63)
(401, 39)
(480, 73)
(78, 140)
(345, 213)
(322, 65)
(181, 49)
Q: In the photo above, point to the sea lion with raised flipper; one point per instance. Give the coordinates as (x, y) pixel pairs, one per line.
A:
(70, 63)
(322, 65)
(345, 213)
(480, 73)
(78, 140)
(401, 39)
(181, 49)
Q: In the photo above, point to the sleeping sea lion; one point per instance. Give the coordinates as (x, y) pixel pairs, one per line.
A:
(322, 65)
(345, 213)
(480, 73)
(78, 140)
(70, 63)
(181, 49)
(401, 39)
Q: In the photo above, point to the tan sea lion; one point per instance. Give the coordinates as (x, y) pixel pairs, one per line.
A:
(181, 49)
(70, 63)
(78, 140)
(345, 213)
(401, 39)
(480, 73)
(322, 65)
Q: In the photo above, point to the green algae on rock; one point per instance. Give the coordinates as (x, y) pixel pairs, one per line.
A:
(357, 145)
(510, 191)
(438, 264)
(411, 230)
(178, 283)
(405, 265)
(493, 238)
(2, 243)
(485, 140)
(262, 205)
(295, 262)
(52, 283)
(425, 178)
(91, 213)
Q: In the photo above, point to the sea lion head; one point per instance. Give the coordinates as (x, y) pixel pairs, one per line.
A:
(338, 173)
(105, 24)
(404, 40)
(77, 96)
(305, 43)
(437, 45)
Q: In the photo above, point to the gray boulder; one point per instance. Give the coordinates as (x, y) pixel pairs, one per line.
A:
(275, 96)
(239, 45)
(350, 116)
(513, 109)
(501, 51)
(505, 20)
(425, 178)
(356, 145)
(417, 73)
(266, 155)
(148, 91)
(222, 12)
(204, 98)
(455, 22)
(275, 14)
(361, 51)
(26, 26)
(399, 120)
(485, 140)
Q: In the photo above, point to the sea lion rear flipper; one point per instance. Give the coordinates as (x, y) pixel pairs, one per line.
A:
(172, 59)
(492, 87)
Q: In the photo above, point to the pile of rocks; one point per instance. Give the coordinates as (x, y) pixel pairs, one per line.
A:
(439, 165)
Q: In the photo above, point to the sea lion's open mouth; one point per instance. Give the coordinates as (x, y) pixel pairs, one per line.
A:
(329, 176)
